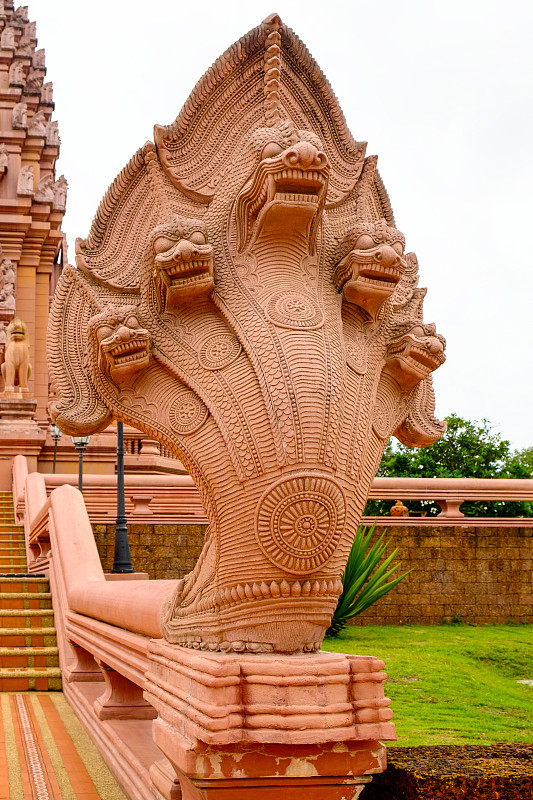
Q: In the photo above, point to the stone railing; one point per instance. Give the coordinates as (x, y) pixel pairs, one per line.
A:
(152, 499)
(173, 499)
(141, 454)
(167, 718)
(449, 493)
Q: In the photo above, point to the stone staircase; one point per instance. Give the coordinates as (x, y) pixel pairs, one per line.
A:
(28, 648)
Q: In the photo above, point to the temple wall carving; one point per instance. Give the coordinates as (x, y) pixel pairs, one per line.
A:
(32, 201)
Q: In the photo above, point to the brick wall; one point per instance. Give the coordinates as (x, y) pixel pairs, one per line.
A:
(163, 551)
(482, 575)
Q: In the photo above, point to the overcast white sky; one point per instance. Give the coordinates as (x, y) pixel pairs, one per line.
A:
(442, 92)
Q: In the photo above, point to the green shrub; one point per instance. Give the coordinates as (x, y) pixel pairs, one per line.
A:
(365, 579)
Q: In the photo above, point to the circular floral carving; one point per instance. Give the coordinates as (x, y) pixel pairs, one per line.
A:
(299, 522)
(188, 414)
(294, 310)
(382, 420)
(356, 357)
(217, 352)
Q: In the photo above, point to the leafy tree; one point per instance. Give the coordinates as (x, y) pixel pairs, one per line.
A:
(525, 459)
(467, 450)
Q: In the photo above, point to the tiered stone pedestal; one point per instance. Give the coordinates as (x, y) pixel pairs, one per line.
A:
(266, 726)
(19, 433)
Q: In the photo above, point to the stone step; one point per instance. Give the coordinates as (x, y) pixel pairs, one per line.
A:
(29, 659)
(38, 657)
(25, 600)
(13, 567)
(11, 617)
(28, 637)
(23, 582)
(42, 679)
(4, 556)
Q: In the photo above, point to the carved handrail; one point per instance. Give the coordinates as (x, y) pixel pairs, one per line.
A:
(115, 664)
(38, 541)
(153, 499)
(465, 488)
(20, 473)
(449, 493)
(173, 499)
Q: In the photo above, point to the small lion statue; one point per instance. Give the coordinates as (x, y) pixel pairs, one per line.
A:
(16, 368)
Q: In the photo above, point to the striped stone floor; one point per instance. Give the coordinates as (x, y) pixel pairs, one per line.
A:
(45, 753)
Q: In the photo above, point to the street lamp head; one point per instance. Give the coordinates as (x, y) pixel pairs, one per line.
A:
(80, 442)
(55, 433)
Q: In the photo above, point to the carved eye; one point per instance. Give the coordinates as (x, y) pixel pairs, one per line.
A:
(162, 244)
(103, 332)
(398, 246)
(197, 237)
(271, 150)
(364, 242)
(132, 322)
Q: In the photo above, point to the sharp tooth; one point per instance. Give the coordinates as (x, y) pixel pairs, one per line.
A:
(271, 186)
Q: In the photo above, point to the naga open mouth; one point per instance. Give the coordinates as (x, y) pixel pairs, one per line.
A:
(185, 270)
(411, 358)
(426, 353)
(299, 175)
(177, 272)
(369, 277)
(120, 354)
(382, 265)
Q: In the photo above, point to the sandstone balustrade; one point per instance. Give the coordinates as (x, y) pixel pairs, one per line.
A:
(321, 716)
(174, 499)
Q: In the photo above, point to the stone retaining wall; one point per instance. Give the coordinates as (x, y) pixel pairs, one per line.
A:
(472, 574)
(163, 551)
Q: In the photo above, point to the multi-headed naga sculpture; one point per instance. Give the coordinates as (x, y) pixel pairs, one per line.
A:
(244, 297)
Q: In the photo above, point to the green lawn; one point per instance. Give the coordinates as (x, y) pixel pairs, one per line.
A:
(453, 684)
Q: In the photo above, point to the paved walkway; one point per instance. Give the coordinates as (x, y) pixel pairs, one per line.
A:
(45, 753)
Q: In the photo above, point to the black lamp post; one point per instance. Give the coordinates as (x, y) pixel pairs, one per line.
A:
(122, 557)
(56, 434)
(80, 443)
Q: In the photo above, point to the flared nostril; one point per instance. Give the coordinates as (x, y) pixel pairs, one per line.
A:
(304, 155)
(387, 256)
(434, 345)
(184, 250)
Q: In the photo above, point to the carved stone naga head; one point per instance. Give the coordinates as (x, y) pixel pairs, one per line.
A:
(244, 297)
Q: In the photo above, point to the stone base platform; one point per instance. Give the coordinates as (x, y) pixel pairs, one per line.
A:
(262, 727)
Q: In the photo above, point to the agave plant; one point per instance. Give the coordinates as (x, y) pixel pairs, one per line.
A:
(363, 581)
